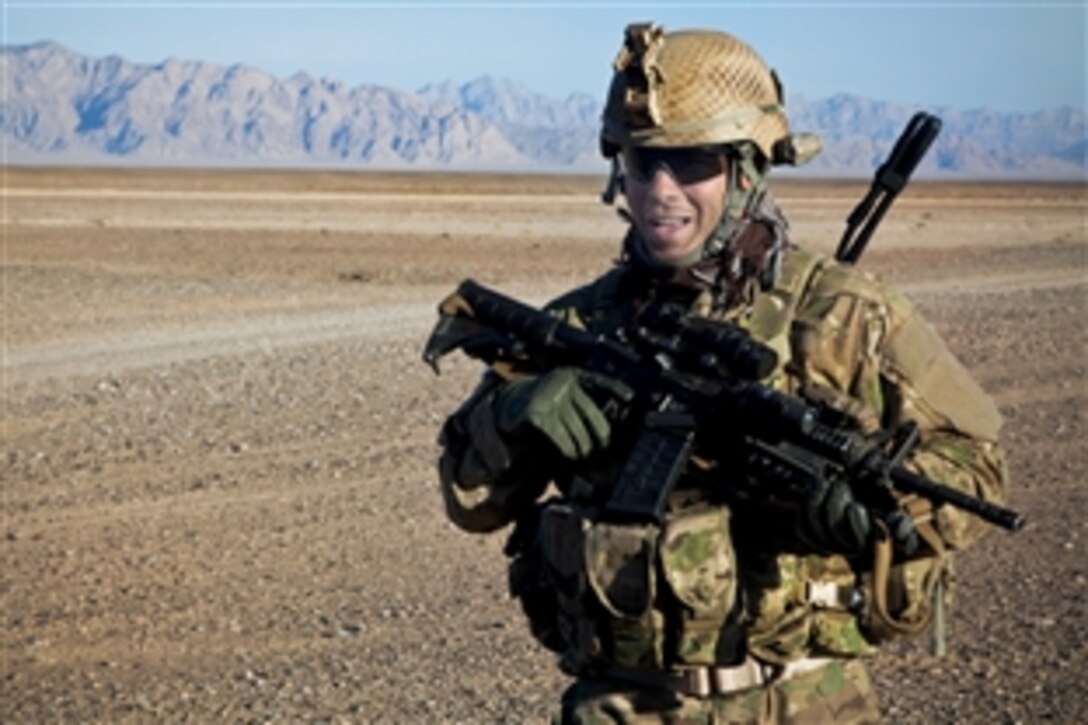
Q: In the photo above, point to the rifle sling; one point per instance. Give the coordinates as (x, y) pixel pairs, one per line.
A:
(883, 551)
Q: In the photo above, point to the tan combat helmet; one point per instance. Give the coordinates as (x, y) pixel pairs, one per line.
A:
(697, 88)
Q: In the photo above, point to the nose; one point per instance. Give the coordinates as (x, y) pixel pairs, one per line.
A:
(662, 184)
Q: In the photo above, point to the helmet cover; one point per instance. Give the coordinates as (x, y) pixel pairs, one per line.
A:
(691, 88)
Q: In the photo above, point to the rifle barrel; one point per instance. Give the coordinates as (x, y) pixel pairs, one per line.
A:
(910, 482)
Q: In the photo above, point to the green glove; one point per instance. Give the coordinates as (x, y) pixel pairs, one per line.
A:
(557, 405)
(830, 519)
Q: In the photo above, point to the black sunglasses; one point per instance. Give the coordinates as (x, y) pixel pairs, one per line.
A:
(688, 165)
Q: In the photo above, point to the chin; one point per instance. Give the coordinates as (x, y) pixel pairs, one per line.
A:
(667, 261)
(673, 257)
(666, 253)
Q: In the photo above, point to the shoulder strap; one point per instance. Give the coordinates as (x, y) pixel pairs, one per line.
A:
(775, 309)
(800, 268)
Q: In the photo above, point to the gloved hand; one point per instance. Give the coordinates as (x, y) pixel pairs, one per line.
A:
(830, 519)
(557, 405)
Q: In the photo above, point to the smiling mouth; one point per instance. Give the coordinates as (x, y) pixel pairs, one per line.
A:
(668, 223)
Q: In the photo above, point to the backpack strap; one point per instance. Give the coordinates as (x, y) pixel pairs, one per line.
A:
(772, 316)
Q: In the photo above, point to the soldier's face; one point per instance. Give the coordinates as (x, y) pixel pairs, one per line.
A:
(677, 198)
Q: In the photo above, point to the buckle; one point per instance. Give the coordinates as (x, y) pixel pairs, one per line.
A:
(697, 681)
(707, 681)
(822, 595)
(829, 595)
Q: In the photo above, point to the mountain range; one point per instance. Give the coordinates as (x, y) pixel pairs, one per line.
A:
(59, 106)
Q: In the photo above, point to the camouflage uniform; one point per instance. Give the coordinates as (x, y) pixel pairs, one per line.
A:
(720, 585)
(722, 614)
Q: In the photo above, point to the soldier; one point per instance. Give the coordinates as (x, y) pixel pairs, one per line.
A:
(732, 610)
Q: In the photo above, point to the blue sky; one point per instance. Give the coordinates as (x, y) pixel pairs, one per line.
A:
(1009, 56)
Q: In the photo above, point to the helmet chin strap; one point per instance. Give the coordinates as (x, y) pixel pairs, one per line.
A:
(739, 199)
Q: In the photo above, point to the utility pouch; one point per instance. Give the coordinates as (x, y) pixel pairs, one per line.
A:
(529, 584)
(562, 545)
(562, 541)
(700, 567)
(620, 568)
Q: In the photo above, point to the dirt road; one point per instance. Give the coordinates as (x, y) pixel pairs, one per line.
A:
(218, 490)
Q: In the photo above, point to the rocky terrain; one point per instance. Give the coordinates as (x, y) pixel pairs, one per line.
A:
(219, 501)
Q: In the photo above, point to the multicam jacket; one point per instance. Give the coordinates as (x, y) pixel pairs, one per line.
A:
(718, 582)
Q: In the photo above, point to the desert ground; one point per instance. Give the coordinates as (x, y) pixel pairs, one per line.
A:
(219, 500)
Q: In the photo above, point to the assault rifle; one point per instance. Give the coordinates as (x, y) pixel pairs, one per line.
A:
(692, 376)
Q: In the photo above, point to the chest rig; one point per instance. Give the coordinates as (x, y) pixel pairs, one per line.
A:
(656, 596)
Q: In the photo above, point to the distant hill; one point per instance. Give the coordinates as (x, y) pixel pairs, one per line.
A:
(63, 107)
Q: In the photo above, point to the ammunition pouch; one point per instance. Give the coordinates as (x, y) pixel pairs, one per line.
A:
(528, 583)
(629, 595)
